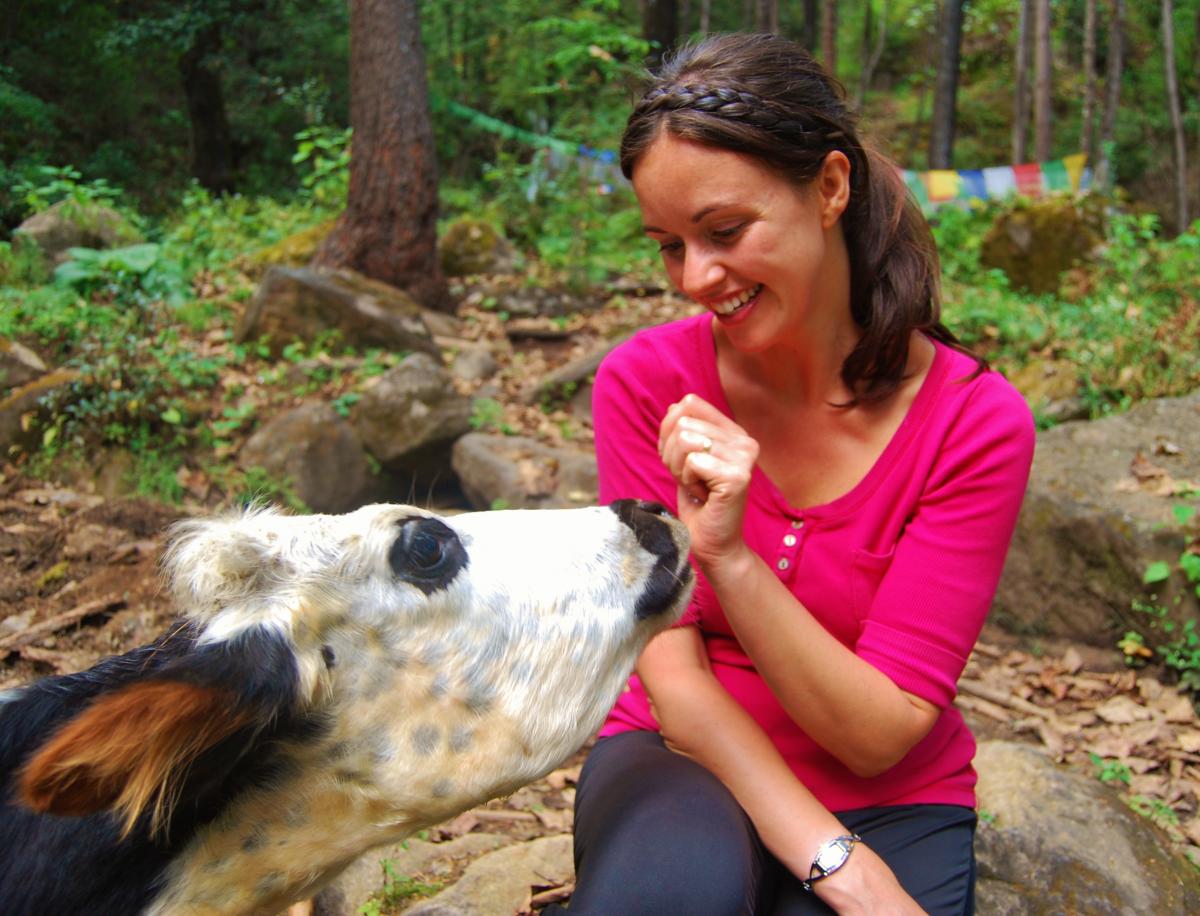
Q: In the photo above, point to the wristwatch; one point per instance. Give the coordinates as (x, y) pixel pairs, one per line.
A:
(832, 855)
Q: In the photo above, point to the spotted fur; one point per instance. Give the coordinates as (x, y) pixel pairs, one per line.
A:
(335, 683)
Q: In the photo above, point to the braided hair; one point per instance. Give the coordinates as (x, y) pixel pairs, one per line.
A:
(766, 97)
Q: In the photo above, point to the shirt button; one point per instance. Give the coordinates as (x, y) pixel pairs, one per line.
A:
(797, 523)
(789, 540)
(783, 563)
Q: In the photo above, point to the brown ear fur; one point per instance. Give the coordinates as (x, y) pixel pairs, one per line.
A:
(128, 751)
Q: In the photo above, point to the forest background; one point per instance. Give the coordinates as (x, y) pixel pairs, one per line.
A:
(221, 128)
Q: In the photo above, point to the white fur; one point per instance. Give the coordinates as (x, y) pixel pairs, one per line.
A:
(439, 701)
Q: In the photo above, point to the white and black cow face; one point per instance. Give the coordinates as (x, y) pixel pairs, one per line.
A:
(337, 683)
(459, 657)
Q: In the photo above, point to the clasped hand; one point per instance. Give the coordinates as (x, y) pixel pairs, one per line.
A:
(712, 460)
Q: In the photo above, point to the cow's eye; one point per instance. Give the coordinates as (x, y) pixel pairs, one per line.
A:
(427, 553)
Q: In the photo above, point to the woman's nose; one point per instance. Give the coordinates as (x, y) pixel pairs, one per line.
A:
(702, 273)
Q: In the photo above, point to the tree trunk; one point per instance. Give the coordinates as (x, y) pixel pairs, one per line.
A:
(1088, 116)
(1043, 116)
(945, 91)
(766, 16)
(1168, 37)
(812, 19)
(1021, 106)
(1104, 177)
(871, 55)
(705, 16)
(829, 35)
(660, 24)
(389, 228)
(212, 144)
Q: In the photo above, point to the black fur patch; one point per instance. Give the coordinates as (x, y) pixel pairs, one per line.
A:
(645, 519)
(103, 874)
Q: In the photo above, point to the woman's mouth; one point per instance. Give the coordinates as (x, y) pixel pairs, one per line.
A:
(725, 308)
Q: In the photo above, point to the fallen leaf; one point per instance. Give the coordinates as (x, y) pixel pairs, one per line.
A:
(1122, 710)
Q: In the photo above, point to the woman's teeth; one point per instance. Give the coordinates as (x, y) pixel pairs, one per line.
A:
(733, 303)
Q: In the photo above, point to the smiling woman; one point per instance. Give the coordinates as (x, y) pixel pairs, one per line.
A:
(850, 477)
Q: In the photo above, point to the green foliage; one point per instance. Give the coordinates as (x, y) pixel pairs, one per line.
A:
(1110, 770)
(1128, 327)
(324, 152)
(51, 184)
(138, 272)
(256, 487)
(488, 414)
(22, 263)
(397, 890)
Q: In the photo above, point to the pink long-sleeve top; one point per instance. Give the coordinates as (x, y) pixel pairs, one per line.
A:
(901, 569)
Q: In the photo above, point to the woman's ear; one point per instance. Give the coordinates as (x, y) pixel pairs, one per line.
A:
(833, 186)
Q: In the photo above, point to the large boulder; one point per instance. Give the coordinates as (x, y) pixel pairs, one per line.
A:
(71, 224)
(315, 453)
(301, 303)
(1035, 241)
(409, 417)
(1052, 841)
(1097, 513)
(515, 472)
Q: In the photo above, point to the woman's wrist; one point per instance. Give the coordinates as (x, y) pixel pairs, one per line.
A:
(729, 568)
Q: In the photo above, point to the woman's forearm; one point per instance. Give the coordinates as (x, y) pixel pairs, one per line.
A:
(845, 704)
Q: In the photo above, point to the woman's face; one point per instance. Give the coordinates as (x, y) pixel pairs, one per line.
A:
(766, 257)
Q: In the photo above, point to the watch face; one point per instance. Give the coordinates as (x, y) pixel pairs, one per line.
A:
(831, 856)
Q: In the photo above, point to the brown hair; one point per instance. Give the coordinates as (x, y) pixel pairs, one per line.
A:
(766, 97)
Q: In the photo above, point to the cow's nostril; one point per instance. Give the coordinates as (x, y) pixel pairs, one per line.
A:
(653, 508)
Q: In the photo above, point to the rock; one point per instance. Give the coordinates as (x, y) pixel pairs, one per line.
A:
(294, 251)
(566, 379)
(69, 224)
(1051, 388)
(314, 451)
(21, 410)
(518, 473)
(474, 364)
(1052, 841)
(1035, 241)
(409, 417)
(18, 364)
(1089, 529)
(498, 883)
(302, 303)
(537, 301)
(364, 878)
(473, 246)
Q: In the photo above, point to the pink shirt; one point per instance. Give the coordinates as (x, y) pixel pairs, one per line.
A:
(901, 569)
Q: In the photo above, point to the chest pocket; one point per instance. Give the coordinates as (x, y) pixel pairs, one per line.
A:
(866, 572)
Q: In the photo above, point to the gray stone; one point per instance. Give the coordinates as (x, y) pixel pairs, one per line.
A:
(315, 452)
(498, 883)
(474, 364)
(567, 378)
(1087, 531)
(409, 417)
(1052, 841)
(519, 473)
(301, 303)
(69, 224)
(18, 364)
(363, 879)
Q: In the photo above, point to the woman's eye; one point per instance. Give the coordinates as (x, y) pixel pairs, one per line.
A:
(670, 247)
(727, 233)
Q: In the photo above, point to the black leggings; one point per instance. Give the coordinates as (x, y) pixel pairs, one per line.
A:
(657, 834)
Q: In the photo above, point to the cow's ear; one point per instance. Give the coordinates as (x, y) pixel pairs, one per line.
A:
(128, 751)
(218, 562)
